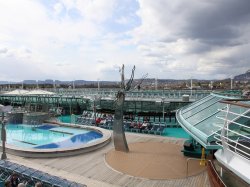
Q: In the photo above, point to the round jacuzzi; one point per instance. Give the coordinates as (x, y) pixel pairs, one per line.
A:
(53, 140)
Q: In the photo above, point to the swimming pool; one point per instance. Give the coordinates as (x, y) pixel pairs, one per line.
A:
(48, 136)
(54, 140)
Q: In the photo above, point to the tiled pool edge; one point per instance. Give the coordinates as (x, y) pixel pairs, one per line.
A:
(63, 152)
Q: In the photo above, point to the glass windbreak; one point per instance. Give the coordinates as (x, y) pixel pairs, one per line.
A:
(244, 130)
(211, 110)
(237, 110)
(200, 102)
(201, 107)
(211, 124)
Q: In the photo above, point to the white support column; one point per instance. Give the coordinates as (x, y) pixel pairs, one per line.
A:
(231, 83)
(156, 84)
(98, 84)
(191, 86)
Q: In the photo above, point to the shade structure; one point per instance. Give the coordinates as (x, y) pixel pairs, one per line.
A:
(16, 92)
(39, 92)
(202, 119)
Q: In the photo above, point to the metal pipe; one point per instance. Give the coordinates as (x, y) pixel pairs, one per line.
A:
(3, 137)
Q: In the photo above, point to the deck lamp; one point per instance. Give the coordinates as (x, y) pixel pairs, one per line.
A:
(94, 107)
(163, 102)
(3, 138)
(95, 99)
(163, 107)
(4, 109)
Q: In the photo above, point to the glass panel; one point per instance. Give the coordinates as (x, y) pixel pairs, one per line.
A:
(190, 107)
(198, 117)
(211, 124)
(201, 107)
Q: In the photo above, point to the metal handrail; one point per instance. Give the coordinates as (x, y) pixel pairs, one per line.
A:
(232, 121)
(235, 147)
(239, 148)
(188, 159)
(236, 113)
(215, 171)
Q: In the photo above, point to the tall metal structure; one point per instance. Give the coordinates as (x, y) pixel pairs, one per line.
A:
(120, 141)
(3, 138)
(4, 109)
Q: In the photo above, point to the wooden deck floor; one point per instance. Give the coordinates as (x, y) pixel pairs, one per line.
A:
(92, 170)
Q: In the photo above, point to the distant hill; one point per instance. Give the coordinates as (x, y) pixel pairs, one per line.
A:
(147, 81)
(4, 82)
(30, 82)
(59, 82)
(243, 77)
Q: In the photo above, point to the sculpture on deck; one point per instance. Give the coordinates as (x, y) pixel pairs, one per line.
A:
(120, 141)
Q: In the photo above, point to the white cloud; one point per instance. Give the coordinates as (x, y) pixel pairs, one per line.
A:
(122, 20)
(58, 7)
(173, 39)
(96, 11)
(183, 37)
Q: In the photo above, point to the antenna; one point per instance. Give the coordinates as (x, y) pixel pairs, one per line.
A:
(54, 84)
(191, 85)
(156, 83)
(73, 84)
(231, 82)
(98, 84)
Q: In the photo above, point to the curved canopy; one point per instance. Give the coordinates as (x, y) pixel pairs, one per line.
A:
(201, 119)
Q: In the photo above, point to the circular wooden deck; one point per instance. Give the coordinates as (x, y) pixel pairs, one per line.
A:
(153, 160)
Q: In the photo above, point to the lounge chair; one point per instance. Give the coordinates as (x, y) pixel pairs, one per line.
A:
(153, 129)
(31, 176)
(159, 130)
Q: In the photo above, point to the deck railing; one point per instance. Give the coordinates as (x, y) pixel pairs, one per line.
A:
(233, 140)
(214, 178)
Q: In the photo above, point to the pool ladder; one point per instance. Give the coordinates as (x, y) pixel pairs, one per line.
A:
(34, 124)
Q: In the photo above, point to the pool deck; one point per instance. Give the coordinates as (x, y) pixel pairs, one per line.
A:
(92, 169)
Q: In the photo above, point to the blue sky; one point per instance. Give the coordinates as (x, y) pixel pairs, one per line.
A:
(91, 39)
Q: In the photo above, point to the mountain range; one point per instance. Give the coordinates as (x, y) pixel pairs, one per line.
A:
(242, 77)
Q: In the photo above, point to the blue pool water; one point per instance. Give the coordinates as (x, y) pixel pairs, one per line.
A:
(68, 118)
(169, 131)
(48, 136)
(175, 132)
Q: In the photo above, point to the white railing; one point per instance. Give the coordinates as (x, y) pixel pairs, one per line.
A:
(232, 139)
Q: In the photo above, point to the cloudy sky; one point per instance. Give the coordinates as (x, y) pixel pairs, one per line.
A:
(91, 39)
